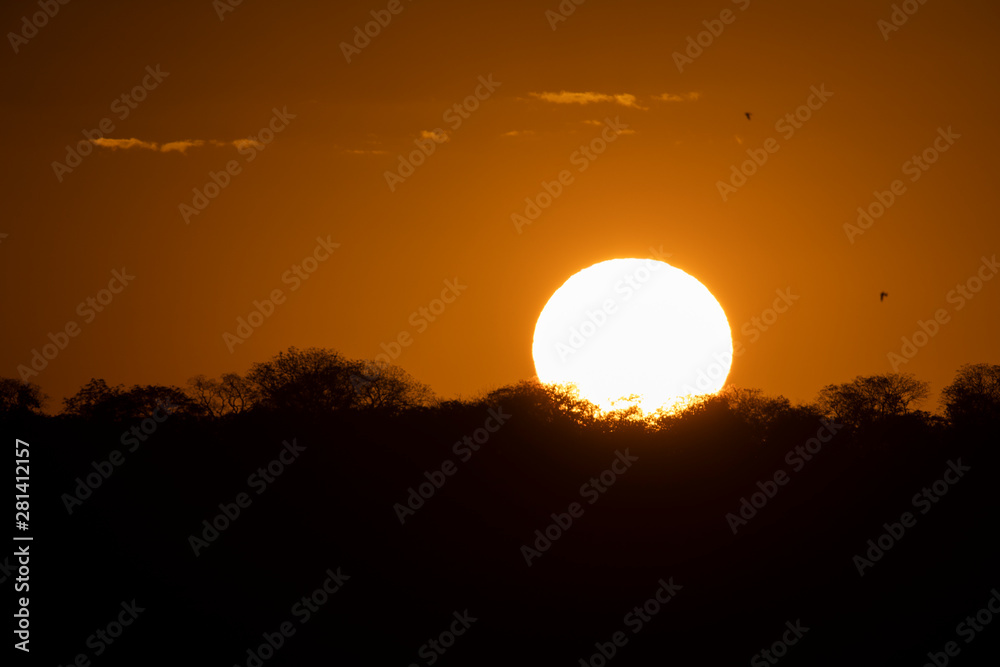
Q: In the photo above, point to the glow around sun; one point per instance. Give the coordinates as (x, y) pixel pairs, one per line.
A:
(634, 328)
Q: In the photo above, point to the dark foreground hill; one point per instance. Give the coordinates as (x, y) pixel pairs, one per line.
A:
(639, 567)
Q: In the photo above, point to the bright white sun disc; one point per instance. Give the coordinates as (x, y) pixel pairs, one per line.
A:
(633, 327)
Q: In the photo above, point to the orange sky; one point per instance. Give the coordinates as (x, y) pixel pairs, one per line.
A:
(320, 172)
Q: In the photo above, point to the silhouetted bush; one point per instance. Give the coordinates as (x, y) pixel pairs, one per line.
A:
(97, 401)
(974, 395)
(866, 400)
(19, 398)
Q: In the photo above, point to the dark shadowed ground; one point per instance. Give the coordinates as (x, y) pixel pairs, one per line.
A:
(663, 520)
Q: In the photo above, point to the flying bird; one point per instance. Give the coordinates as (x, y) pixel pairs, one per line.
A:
(748, 114)
(881, 297)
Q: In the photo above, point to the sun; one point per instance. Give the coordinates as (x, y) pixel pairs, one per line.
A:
(634, 332)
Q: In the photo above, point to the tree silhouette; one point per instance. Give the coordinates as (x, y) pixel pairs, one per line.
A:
(99, 401)
(974, 395)
(870, 399)
(756, 409)
(387, 387)
(546, 402)
(94, 400)
(313, 380)
(232, 395)
(19, 398)
(206, 393)
(142, 401)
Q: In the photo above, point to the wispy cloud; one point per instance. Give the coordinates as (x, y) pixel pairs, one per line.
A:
(239, 143)
(518, 133)
(598, 123)
(115, 144)
(566, 97)
(682, 97)
(355, 151)
(180, 146)
(440, 136)
(170, 146)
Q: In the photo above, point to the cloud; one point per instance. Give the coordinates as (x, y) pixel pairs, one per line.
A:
(115, 144)
(683, 97)
(518, 133)
(180, 146)
(170, 146)
(598, 123)
(565, 97)
(354, 151)
(240, 143)
(438, 135)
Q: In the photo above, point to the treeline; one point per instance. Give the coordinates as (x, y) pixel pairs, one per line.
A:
(319, 381)
(311, 381)
(434, 506)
